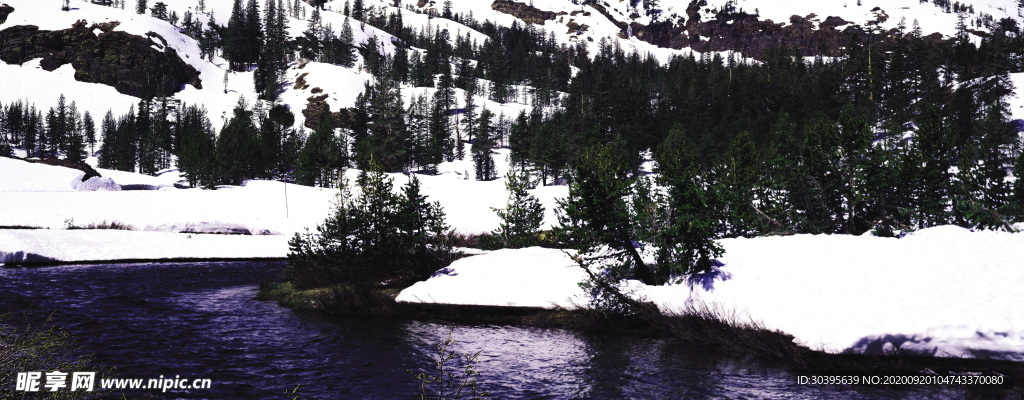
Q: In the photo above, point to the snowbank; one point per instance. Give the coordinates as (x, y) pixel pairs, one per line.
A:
(99, 184)
(23, 176)
(104, 245)
(944, 291)
(532, 277)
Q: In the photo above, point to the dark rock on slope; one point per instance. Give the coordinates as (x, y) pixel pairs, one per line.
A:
(523, 11)
(5, 10)
(132, 64)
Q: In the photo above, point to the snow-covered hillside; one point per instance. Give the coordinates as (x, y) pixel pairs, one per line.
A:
(942, 291)
(42, 196)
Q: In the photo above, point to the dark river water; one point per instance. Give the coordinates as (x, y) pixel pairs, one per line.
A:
(200, 320)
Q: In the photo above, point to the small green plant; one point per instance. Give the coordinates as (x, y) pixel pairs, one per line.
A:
(44, 347)
(449, 385)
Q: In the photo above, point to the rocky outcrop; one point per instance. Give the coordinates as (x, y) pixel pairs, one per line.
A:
(135, 65)
(317, 108)
(753, 37)
(525, 12)
(5, 10)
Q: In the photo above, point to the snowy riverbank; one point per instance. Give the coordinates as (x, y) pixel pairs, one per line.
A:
(944, 291)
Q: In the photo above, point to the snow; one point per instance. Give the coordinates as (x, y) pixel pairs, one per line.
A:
(1016, 102)
(43, 196)
(943, 291)
(23, 176)
(98, 184)
(497, 279)
(106, 245)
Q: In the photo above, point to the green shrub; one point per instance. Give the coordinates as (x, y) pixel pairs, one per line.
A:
(377, 236)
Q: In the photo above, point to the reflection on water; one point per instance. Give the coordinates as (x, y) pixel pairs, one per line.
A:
(199, 320)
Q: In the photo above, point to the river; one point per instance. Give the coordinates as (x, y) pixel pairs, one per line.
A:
(200, 320)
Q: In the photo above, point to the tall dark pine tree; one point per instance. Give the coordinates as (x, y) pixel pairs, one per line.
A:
(108, 128)
(253, 33)
(237, 147)
(357, 10)
(126, 149)
(197, 152)
(347, 56)
(270, 62)
(323, 158)
(387, 142)
(89, 128)
(687, 243)
(236, 44)
(148, 144)
(483, 148)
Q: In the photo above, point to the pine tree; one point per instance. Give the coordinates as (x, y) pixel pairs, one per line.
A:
(483, 148)
(109, 131)
(197, 154)
(523, 214)
(1015, 207)
(237, 147)
(357, 10)
(323, 157)
(468, 118)
(687, 243)
(89, 127)
(234, 47)
(140, 6)
(253, 33)
(310, 46)
(596, 218)
(373, 237)
(387, 142)
(159, 11)
(347, 54)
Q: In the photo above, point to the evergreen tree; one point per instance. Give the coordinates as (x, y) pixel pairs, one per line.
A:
(148, 145)
(237, 147)
(373, 237)
(686, 244)
(523, 214)
(596, 217)
(468, 118)
(75, 151)
(347, 52)
(197, 153)
(400, 64)
(126, 148)
(1015, 207)
(323, 157)
(357, 10)
(253, 33)
(387, 142)
(89, 127)
(140, 6)
(519, 140)
(159, 11)
(108, 129)
(483, 148)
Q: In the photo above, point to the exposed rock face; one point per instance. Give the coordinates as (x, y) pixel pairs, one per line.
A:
(5, 10)
(131, 64)
(317, 107)
(525, 12)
